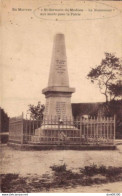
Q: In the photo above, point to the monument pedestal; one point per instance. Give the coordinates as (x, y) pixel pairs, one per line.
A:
(58, 102)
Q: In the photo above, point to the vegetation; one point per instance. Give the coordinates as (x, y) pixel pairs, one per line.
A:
(107, 76)
(4, 126)
(58, 168)
(36, 112)
(61, 178)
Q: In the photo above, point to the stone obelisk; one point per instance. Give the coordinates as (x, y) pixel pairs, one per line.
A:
(58, 93)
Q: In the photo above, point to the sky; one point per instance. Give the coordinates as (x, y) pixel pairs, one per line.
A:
(27, 43)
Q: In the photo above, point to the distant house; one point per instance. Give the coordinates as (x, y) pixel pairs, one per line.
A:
(86, 110)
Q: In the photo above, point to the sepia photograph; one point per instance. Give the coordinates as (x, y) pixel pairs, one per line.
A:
(61, 97)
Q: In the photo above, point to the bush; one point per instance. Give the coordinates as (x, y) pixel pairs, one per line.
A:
(102, 170)
(58, 168)
(90, 170)
(113, 171)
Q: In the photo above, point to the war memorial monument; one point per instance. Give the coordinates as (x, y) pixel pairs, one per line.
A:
(59, 129)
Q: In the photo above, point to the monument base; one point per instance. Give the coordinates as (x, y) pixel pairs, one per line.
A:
(61, 147)
(55, 133)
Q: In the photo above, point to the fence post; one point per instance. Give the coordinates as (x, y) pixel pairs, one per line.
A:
(104, 128)
(98, 125)
(50, 122)
(25, 130)
(107, 127)
(114, 127)
(22, 128)
(30, 129)
(87, 129)
(80, 129)
(95, 119)
(9, 129)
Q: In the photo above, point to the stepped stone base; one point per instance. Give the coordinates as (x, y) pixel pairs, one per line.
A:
(41, 132)
(62, 147)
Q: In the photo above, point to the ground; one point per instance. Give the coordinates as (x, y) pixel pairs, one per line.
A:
(32, 165)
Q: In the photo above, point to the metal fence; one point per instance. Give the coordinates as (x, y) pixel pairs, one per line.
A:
(98, 131)
(16, 129)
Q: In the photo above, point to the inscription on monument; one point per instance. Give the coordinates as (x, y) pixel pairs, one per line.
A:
(60, 66)
(61, 108)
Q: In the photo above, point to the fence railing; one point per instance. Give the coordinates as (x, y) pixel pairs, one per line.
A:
(16, 129)
(98, 131)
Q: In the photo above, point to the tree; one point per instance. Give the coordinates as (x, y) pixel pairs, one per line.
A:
(4, 121)
(36, 112)
(116, 89)
(107, 76)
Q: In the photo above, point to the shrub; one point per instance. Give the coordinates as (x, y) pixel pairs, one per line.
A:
(113, 171)
(102, 170)
(58, 168)
(90, 170)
